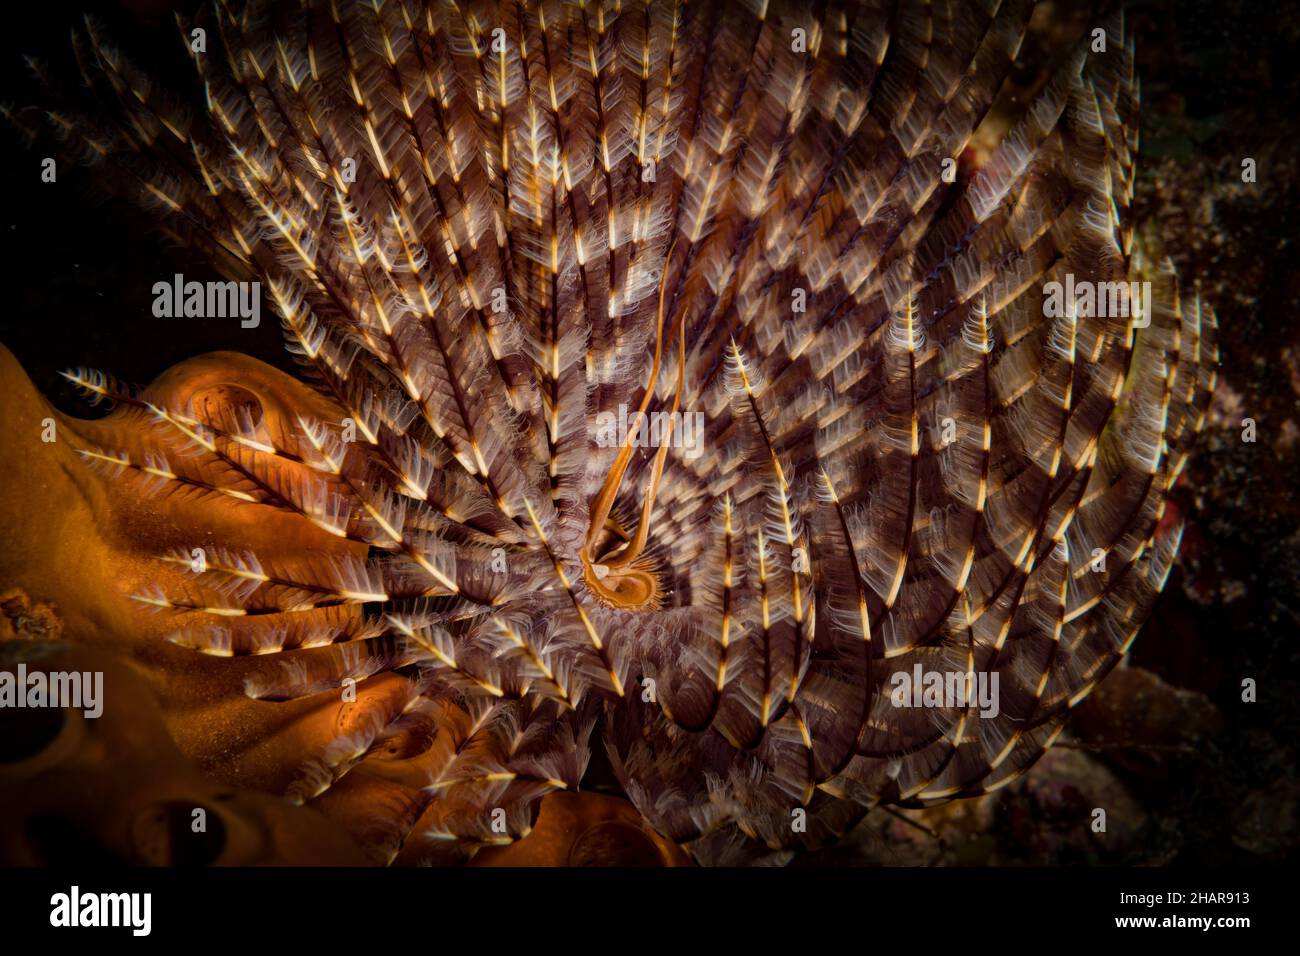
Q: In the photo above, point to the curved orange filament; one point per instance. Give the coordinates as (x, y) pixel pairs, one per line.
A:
(604, 500)
(637, 544)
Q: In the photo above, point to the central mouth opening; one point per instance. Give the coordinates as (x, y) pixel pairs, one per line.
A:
(633, 586)
(628, 589)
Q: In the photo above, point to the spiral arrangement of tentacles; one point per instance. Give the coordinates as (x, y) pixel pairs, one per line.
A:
(490, 229)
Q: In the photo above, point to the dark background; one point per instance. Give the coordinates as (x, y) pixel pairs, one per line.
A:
(1198, 775)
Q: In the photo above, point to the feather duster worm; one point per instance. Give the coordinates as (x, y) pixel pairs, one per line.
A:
(862, 439)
